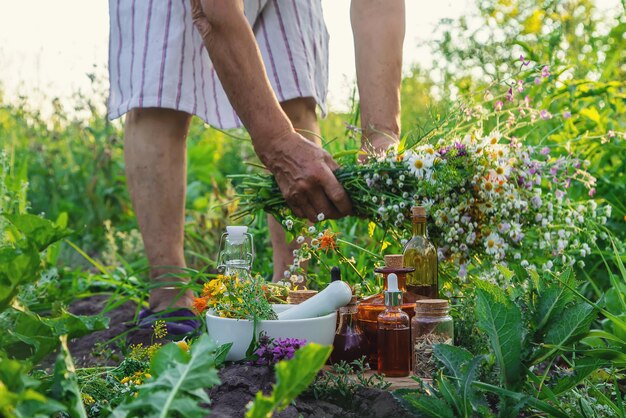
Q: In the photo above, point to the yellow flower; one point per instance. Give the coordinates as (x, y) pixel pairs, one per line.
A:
(183, 345)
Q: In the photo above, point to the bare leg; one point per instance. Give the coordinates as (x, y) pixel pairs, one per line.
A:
(155, 156)
(301, 112)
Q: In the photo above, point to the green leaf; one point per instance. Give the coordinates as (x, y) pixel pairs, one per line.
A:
(423, 405)
(178, 385)
(18, 265)
(551, 300)
(501, 320)
(583, 368)
(292, 377)
(65, 384)
(20, 394)
(38, 230)
(568, 329)
(452, 357)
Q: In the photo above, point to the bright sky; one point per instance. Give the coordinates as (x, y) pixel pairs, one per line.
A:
(47, 48)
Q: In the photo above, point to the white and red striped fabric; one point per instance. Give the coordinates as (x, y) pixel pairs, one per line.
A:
(157, 58)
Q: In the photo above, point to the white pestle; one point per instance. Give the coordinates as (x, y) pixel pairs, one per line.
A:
(336, 295)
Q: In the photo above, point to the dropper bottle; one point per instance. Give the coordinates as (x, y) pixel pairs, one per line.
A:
(393, 334)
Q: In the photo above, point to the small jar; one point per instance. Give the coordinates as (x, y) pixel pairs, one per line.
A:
(432, 324)
(350, 343)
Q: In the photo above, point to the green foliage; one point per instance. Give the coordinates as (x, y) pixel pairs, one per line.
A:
(501, 320)
(340, 384)
(178, 385)
(21, 395)
(292, 377)
(65, 384)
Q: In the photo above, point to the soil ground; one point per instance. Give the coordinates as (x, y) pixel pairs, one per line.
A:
(240, 382)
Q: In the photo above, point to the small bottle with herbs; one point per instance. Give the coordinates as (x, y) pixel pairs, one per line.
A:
(432, 324)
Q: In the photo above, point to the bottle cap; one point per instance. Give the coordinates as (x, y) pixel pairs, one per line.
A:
(236, 234)
(394, 261)
(393, 295)
(392, 283)
(432, 307)
(418, 211)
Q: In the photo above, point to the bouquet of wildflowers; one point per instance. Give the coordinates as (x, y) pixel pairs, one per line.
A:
(230, 297)
(490, 198)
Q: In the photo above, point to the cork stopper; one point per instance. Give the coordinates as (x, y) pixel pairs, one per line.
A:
(418, 211)
(394, 261)
(432, 307)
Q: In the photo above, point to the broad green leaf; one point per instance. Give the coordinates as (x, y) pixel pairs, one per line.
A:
(583, 368)
(452, 357)
(65, 384)
(522, 397)
(38, 230)
(450, 395)
(20, 394)
(178, 385)
(423, 405)
(501, 320)
(552, 298)
(18, 265)
(468, 397)
(569, 328)
(292, 377)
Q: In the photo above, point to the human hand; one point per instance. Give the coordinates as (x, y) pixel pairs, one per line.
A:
(376, 144)
(304, 173)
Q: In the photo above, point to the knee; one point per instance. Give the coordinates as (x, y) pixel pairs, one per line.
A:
(301, 112)
(166, 121)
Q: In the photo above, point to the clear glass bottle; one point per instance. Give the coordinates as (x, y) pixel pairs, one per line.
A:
(394, 334)
(350, 343)
(236, 252)
(372, 306)
(420, 254)
(432, 324)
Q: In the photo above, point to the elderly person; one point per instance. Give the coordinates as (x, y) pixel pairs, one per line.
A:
(172, 59)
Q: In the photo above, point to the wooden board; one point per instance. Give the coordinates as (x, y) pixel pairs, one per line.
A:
(396, 382)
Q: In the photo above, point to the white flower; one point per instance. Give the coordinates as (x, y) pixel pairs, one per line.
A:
(311, 230)
(289, 224)
(320, 216)
(315, 243)
(300, 239)
(286, 274)
(419, 165)
(492, 243)
(493, 138)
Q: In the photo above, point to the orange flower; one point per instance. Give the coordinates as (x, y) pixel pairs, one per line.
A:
(200, 304)
(327, 241)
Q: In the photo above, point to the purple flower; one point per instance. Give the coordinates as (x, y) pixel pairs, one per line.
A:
(537, 80)
(509, 95)
(592, 192)
(498, 105)
(545, 151)
(544, 114)
(545, 72)
(567, 114)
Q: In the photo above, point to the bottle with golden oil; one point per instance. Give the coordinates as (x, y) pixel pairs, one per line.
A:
(394, 334)
(421, 255)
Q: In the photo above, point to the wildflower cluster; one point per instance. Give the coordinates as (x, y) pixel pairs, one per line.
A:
(271, 351)
(490, 197)
(231, 297)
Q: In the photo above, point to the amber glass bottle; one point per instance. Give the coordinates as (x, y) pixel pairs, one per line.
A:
(371, 307)
(394, 334)
(421, 254)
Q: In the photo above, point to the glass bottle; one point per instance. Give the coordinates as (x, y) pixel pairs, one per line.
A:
(372, 306)
(350, 343)
(432, 324)
(236, 252)
(420, 254)
(394, 334)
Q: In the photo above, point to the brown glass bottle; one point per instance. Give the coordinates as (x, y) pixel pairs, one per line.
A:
(420, 254)
(371, 307)
(350, 343)
(393, 334)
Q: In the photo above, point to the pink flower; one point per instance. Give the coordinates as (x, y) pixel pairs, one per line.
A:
(545, 72)
(498, 105)
(537, 80)
(592, 192)
(544, 114)
(509, 95)
(520, 86)
(567, 114)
